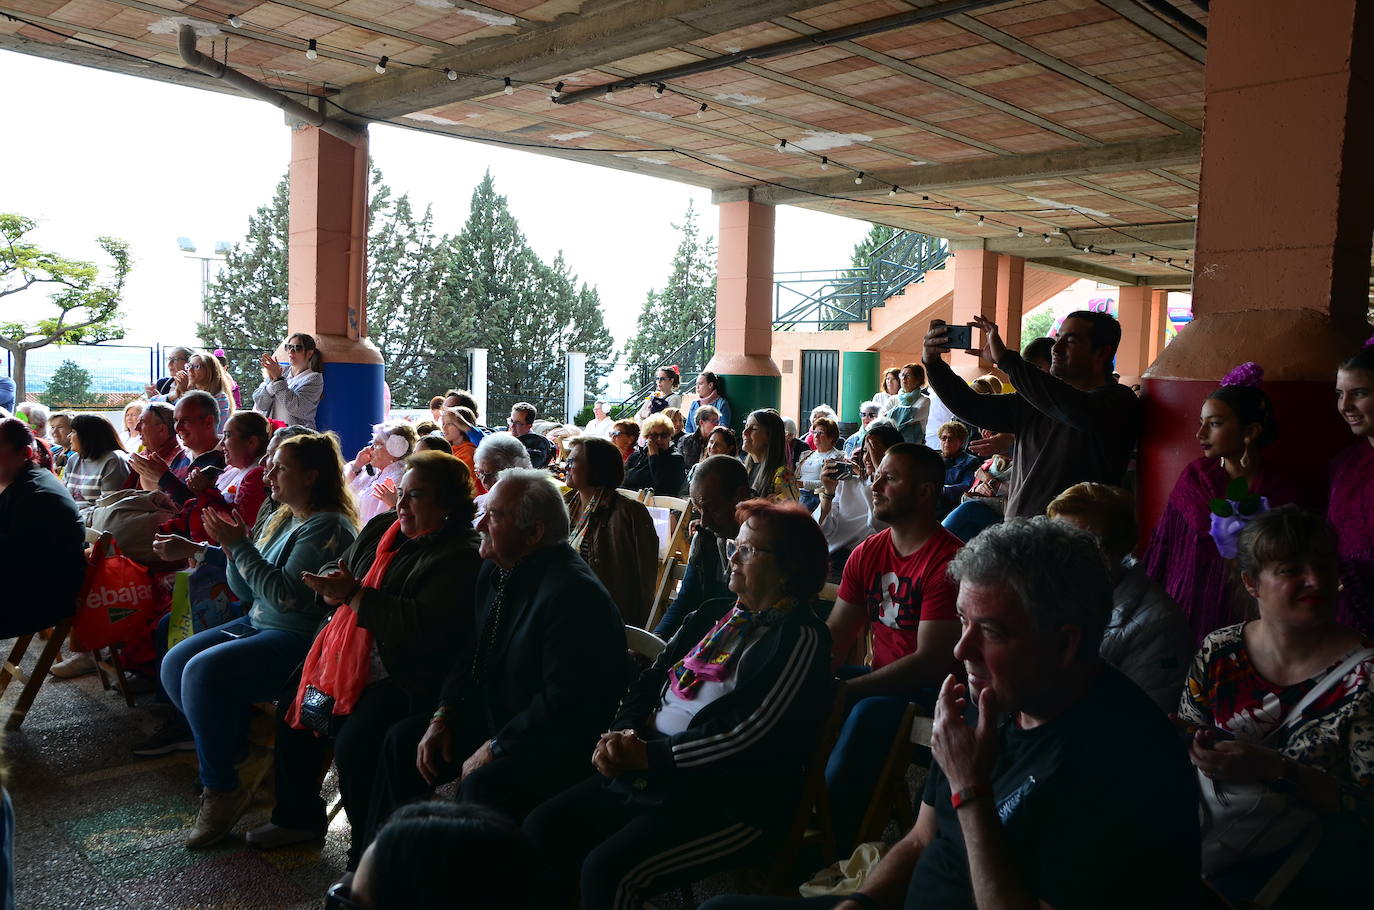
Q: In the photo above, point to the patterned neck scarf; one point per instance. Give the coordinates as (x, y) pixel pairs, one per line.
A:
(714, 656)
(579, 533)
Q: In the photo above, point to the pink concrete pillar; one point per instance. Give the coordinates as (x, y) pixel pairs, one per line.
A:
(1011, 281)
(1286, 211)
(1135, 312)
(327, 278)
(1159, 323)
(975, 294)
(744, 308)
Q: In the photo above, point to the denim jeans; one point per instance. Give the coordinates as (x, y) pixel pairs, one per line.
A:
(969, 519)
(213, 679)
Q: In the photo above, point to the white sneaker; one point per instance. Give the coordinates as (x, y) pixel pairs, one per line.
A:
(74, 666)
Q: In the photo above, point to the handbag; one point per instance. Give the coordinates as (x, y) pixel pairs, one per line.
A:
(316, 712)
(132, 517)
(1248, 821)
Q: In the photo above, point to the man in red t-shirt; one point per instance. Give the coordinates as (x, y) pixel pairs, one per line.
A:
(896, 583)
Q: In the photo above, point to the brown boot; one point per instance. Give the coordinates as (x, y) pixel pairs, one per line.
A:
(219, 812)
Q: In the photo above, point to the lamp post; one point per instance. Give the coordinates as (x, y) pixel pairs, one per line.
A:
(188, 248)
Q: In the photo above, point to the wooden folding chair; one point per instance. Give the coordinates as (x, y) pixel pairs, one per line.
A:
(681, 511)
(11, 669)
(108, 666)
(635, 495)
(668, 583)
(644, 643)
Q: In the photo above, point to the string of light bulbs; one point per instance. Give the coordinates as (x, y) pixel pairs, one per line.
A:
(660, 90)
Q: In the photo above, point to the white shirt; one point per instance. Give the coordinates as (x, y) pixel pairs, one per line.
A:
(675, 714)
(601, 427)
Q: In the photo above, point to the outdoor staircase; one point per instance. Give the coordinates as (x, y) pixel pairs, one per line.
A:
(817, 301)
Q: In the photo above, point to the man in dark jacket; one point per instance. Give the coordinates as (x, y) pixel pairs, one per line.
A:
(524, 704)
(1073, 424)
(40, 535)
(521, 426)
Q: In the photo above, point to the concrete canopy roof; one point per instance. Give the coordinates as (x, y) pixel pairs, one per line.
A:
(1076, 119)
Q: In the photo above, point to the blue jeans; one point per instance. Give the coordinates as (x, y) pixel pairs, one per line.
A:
(213, 679)
(969, 519)
(857, 760)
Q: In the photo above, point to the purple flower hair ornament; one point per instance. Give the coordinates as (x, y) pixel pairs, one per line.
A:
(1232, 513)
(1247, 374)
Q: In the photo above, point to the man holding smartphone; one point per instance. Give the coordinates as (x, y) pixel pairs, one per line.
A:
(1073, 424)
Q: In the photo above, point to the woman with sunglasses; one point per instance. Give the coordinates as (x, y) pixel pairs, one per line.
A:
(291, 395)
(709, 743)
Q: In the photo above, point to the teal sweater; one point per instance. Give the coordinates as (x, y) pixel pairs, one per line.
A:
(266, 577)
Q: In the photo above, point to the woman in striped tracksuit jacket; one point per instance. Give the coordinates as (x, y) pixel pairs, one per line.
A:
(704, 765)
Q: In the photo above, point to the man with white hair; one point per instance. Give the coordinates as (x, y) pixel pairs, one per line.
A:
(496, 453)
(601, 425)
(537, 684)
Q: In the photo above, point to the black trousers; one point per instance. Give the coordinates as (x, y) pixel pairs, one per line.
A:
(620, 854)
(301, 758)
(736, 902)
(512, 784)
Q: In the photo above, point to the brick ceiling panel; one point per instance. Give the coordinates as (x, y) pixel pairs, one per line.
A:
(749, 36)
(84, 12)
(38, 7)
(924, 40)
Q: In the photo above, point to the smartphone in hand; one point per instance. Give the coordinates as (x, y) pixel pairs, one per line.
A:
(960, 337)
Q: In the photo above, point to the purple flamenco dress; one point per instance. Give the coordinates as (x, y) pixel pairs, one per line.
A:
(1351, 512)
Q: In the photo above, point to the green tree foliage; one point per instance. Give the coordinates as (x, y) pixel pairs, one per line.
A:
(687, 302)
(527, 314)
(430, 296)
(87, 308)
(862, 254)
(1036, 324)
(69, 386)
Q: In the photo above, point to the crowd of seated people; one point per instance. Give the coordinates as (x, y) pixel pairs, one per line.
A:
(450, 608)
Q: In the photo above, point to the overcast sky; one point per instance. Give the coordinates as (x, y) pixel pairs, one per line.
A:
(90, 153)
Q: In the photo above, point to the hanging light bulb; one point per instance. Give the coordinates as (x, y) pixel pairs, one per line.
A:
(557, 92)
(1133, 257)
(701, 111)
(1088, 248)
(1045, 237)
(958, 212)
(234, 21)
(381, 65)
(610, 93)
(1020, 232)
(825, 163)
(782, 145)
(450, 74)
(893, 191)
(981, 220)
(509, 89)
(859, 179)
(659, 90)
(310, 50)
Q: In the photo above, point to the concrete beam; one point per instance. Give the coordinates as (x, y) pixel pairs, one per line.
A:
(602, 32)
(110, 61)
(1106, 159)
(1096, 271)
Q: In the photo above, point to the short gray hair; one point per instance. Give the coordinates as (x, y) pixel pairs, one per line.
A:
(1057, 571)
(708, 413)
(37, 414)
(539, 501)
(871, 407)
(503, 449)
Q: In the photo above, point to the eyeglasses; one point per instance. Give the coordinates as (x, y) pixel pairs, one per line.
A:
(294, 348)
(661, 434)
(746, 552)
(340, 897)
(196, 366)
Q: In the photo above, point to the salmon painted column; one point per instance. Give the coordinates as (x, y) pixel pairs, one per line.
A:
(327, 278)
(988, 285)
(1135, 309)
(1159, 323)
(1286, 210)
(744, 309)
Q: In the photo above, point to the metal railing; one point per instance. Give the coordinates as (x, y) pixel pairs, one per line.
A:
(831, 300)
(817, 301)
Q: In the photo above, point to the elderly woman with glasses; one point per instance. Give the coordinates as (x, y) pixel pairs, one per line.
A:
(291, 395)
(704, 765)
(615, 535)
(402, 601)
(376, 471)
(656, 465)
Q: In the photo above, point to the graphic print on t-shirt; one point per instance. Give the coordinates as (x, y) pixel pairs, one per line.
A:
(895, 601)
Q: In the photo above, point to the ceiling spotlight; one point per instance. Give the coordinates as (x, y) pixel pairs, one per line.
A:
(310, 52)
(381, 66)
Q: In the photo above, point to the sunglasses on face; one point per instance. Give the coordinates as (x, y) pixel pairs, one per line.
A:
(294, 348)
